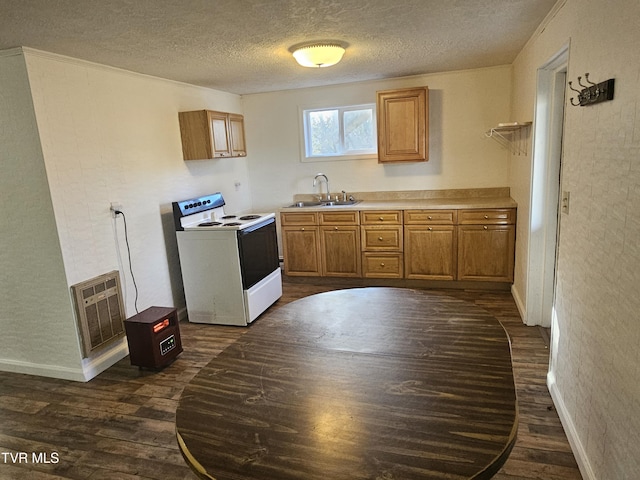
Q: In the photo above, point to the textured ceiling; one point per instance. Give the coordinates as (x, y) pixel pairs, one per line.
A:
(241, 46)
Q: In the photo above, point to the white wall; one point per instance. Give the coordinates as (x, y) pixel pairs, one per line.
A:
(595, 369)
(36, 316)
(109, 135)
(462, 106)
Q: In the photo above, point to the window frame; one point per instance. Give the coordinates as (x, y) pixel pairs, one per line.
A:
(305, 154)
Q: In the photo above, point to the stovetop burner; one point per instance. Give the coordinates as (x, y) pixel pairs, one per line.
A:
(209, 224)
(250, 217)
(232, 224)
(227, 217)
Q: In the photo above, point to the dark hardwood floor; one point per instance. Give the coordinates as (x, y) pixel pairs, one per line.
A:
(121, 424)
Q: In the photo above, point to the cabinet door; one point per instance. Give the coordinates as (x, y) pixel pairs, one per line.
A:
(236, 126)
(403, 128)
(430, 252)
(340, 247)
(301, 251)
(220, 134)
(486, 252)
(195, 134)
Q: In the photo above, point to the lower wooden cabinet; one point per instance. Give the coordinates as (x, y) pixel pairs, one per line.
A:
(382, 244)
(469, 244)
(301, 246)
(486, 252)
(340, 251)
(430, 252)
(486, 244)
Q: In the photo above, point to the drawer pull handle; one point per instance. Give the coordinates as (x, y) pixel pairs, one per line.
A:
(485, 227)
(335, 228)
(486, 216)
(380, 238)
(430, 217)
(429, 228)
(381, 219)
(302, 229)
(382, 264)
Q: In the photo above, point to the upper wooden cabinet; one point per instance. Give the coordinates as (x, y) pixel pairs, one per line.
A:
(208, 134)
(236, 126)
(403, 125)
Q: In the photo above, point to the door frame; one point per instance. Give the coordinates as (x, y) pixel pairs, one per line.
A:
(546, 170)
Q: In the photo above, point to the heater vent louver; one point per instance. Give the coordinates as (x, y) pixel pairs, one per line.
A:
(99, 311)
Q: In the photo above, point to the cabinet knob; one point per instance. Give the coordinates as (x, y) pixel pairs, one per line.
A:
(430, 217)
(382, 264)
(485, 227)
(335, 228)
(429, 228)
(302, 229)
(380, 238)
(381, 219)
(486, 216)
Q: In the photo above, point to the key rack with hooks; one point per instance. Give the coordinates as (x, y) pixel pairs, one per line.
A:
(593, 92)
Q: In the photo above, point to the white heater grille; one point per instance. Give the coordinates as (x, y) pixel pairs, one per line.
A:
(100, 311)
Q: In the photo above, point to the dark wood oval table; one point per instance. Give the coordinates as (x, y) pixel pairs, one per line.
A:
(365, 383)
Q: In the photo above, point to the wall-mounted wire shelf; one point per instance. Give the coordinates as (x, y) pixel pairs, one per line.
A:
(513, 136)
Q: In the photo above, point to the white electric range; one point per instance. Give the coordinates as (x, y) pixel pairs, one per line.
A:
(230, 265)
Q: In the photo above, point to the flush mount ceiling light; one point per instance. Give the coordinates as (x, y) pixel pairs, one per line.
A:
(318, 54)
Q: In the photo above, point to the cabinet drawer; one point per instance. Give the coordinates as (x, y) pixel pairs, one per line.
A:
(299, 218)
(377, 238)
(382, 265)
(493, 216)
(380, 217)
(430, 217)
(348, 217)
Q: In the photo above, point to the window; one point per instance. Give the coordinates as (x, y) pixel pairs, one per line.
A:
(339, 133)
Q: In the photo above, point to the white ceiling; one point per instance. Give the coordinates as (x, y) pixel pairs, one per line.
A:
(241, 46)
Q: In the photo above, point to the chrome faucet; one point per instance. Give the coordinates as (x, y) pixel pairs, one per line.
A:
(315, 180)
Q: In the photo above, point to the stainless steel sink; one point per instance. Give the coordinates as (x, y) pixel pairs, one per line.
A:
(304, 204)
(339, 203)
(336, 203)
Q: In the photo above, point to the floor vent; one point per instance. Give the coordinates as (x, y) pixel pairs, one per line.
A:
(100, 311)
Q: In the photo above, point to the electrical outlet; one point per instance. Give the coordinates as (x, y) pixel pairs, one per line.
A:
(115, 207)
(565, 202)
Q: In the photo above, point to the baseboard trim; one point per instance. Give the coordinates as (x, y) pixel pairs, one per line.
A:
(90, 367)
(347, 282)
(41, 370)
(94, 366)
(572, 434)
(519, 304)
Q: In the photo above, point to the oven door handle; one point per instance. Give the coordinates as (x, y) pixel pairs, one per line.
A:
(255, 227)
